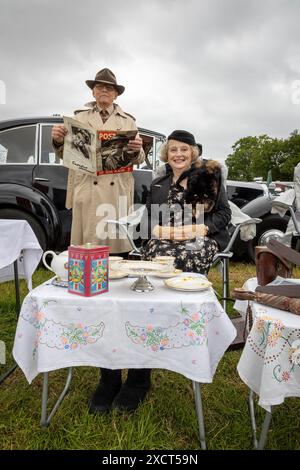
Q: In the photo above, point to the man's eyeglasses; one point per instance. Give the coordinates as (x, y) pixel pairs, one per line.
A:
(101, 86)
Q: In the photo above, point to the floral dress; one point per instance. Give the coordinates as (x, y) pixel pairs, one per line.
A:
(189, 255)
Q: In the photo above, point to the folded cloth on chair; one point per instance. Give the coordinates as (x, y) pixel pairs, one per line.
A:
(247, 232)
(281, 202)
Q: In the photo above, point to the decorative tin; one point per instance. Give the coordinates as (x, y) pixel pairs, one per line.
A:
(88, 269)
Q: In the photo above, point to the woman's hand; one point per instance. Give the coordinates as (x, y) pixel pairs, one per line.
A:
(135, 145)
(193, 231)
(58, 134)
(181, 233)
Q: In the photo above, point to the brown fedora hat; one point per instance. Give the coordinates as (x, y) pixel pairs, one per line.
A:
(106, 76)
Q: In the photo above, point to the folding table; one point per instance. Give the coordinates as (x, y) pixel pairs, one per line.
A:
(270, 361)
(186, 332)
(20, 253)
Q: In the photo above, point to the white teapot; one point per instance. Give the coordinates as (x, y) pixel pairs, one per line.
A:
(59, 264)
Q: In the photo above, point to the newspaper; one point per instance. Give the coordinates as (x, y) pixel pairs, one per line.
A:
(96, 152)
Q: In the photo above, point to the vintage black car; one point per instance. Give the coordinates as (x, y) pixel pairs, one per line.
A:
(255, 200)
(33, 184)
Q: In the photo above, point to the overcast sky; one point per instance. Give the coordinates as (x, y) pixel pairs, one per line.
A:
(222, 69)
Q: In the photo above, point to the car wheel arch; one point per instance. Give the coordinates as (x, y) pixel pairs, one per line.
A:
(32, 203)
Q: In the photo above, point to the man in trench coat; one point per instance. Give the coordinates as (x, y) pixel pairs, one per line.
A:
(85, 194)
(90, 197)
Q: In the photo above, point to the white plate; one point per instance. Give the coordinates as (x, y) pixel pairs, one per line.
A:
(117, 275)
(188, 282)
(139, 267)
(188, 290)
(168, 274)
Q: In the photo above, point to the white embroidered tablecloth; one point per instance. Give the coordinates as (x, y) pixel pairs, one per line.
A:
(18, 241)
(270, 361)
(186, 332)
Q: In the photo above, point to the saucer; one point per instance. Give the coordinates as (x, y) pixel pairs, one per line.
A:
(188, 282)
(168, 274)
(58, 282)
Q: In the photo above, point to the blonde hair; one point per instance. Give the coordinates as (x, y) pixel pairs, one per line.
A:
(165, 147)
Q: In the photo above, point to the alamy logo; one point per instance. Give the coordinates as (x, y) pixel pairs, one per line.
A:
(2, 92)
(2, 353)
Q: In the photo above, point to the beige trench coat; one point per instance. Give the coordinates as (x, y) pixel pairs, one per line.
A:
(95, 199)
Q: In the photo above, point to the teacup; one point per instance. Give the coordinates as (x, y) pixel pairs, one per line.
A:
(113, 260)
(166, 260)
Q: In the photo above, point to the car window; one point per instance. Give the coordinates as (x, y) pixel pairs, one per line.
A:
(148, 149)
(18, 145)
(242, 195)
(47, 154)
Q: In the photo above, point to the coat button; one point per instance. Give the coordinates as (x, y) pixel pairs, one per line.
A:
(112, 183)
(95, 182)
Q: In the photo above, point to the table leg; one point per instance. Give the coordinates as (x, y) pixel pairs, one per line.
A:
(200, 417)
(45, 421)
(259, 445)
(18, 308)
(252, 417)
(17, 288)
(265, 430)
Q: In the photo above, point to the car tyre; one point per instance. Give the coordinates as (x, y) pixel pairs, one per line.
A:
(269, 223)
(7, 213)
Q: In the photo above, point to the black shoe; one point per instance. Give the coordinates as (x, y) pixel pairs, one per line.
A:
(129, 397)
(109, 386)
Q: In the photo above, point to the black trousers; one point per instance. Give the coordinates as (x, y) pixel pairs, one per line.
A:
(135, 377)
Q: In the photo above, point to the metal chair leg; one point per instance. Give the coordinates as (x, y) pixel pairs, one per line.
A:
(200, 417)
(45, 421)
(225, 276)
(7, 374)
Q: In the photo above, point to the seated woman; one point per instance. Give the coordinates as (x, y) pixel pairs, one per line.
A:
(167, 208)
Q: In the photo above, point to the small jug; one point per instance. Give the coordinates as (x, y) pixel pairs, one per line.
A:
(59, 264)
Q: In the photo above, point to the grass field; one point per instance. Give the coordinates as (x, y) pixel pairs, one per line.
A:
(166, 420)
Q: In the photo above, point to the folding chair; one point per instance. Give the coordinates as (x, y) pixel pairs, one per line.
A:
(126, 226)
(246, 227)
(289, 201)
(241, 222)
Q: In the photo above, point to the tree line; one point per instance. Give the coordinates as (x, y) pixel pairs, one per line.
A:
(256, 156)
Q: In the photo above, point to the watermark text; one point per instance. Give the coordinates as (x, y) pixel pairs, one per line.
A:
(2, 92)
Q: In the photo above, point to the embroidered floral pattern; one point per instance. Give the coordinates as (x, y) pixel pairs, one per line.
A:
(294, 352)
(190, 331)
(268, 341)
(59, 335)
(78, 335)
(270, 331)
